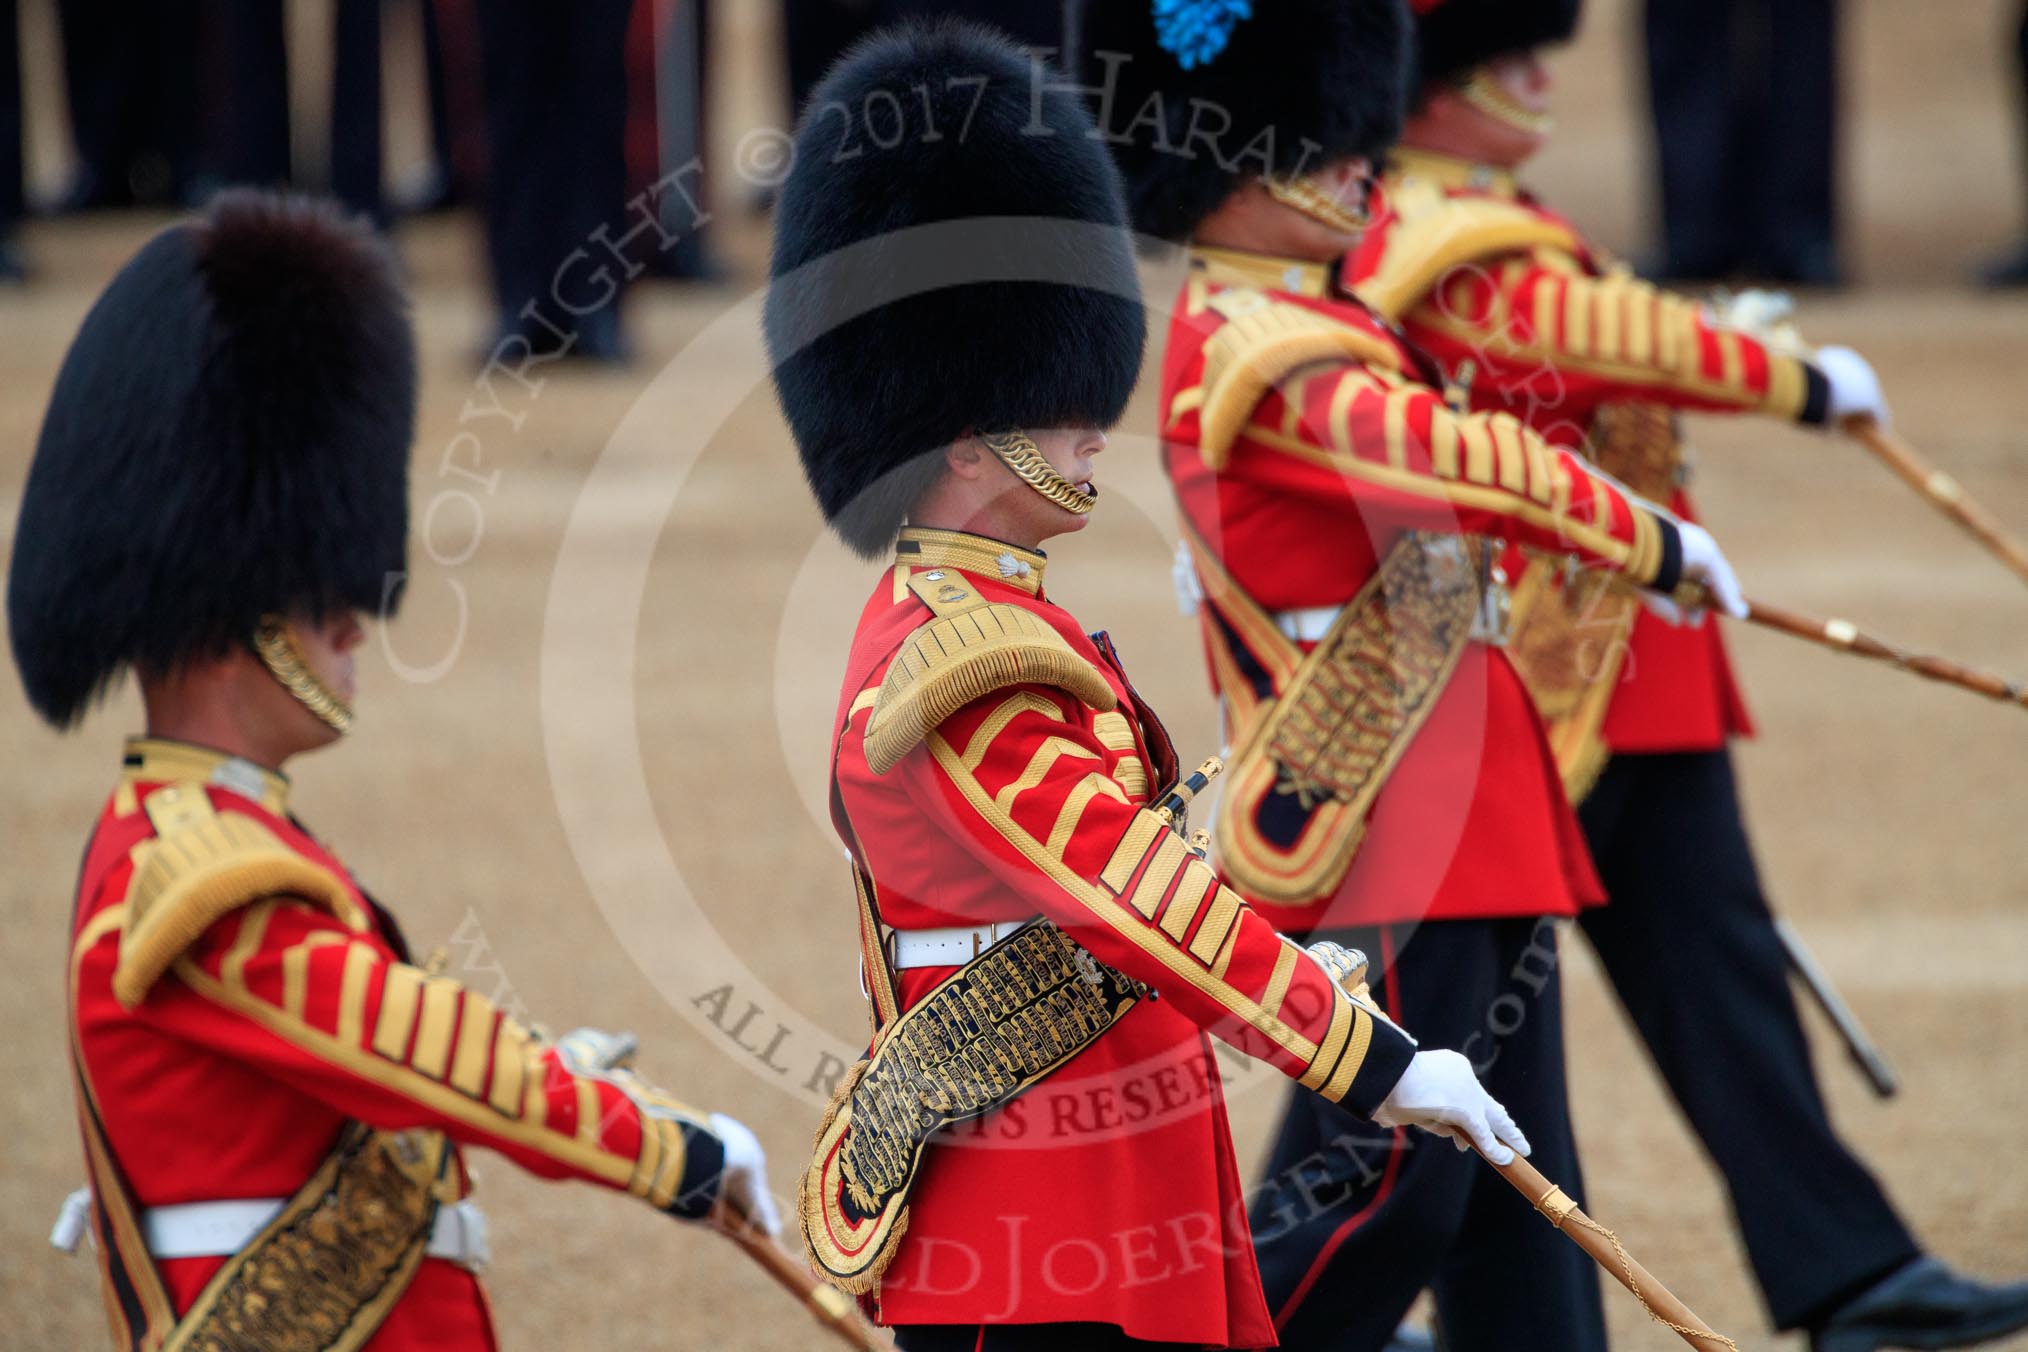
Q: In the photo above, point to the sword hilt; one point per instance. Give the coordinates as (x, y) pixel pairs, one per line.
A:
(1176, 802)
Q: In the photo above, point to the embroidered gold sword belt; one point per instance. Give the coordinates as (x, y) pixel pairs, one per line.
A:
(1002, 1023)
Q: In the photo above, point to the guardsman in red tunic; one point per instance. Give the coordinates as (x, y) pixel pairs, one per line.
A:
(1538, 323)
(1390, 784)
(274, 1098)
(1034, 1153)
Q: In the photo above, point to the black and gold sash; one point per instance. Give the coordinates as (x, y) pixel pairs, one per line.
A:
(991, 1030)
(322, 1275)
(1316, 734)
(1571, 626)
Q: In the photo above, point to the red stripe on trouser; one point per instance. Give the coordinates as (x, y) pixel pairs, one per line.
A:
(1359, 1217)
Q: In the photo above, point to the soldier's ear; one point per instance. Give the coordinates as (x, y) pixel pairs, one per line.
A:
(967, 457)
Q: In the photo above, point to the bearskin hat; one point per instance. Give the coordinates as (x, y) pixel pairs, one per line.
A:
(228, 439)
(950, 256)
(1195, 96)
(1453, 36)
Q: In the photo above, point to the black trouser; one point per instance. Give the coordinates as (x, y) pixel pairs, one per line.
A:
(1353, 1220)
(11, 173)
(132, 83)
(1744, 100)
(1690, 947)
(2021, 77)
(556, 112)
(1018, 1338)
(816, 32)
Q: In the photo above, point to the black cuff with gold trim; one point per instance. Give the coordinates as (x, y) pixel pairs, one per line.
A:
(1816, 397)
(1671, 571)
(703, 1174)
(1387, 1058)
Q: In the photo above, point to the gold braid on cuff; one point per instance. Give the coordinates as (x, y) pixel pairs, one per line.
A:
(1020, 455)
(1483, 92)
(1302, 195)
(284, 661)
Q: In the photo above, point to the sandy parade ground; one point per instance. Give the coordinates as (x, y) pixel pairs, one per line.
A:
(590, 758)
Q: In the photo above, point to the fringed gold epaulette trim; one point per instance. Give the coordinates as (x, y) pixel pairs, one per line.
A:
(1433, 233)
(1262, 342)
(200, 866)
(964, 654)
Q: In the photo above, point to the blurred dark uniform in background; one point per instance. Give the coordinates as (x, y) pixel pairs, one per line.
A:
(130, 80)
(245, 101)
(586, 106)
(814, 32)
(12, 172)
(2012, 269)
(1744, 94)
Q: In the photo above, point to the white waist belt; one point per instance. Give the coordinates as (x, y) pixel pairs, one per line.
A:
(1312, 624)
(1308, 625)
(950, 947)
(216, 1229)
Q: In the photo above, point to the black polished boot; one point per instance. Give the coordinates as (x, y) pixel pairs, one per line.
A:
(1923, 1304)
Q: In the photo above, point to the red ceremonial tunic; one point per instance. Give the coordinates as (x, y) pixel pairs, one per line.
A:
(1477, 271)
(1334, 459)
(282, 1020)
(1108, 1192)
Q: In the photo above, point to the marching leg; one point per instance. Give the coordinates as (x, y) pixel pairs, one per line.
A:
(1690, 947)
(1503, 1288)
(1353, 1220)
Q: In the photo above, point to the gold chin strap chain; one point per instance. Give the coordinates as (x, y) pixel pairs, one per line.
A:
(284, 661)
(1483, 92)
(1305, 196)
(1020, 454)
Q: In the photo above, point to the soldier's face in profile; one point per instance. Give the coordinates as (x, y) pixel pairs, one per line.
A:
(1523, 80)
(327, 644)
(1071, 452)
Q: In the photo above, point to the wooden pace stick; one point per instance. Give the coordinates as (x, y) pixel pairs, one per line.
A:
(1845, 636)
(828, 1305)
(1941, 489)
(1605, 1248)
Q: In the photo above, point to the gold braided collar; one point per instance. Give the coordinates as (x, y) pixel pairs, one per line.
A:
(928, 547)
(156, 760)
(1265, 272)
(1448, 171)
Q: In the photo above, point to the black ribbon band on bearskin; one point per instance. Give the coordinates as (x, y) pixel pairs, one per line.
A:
(990, 1031)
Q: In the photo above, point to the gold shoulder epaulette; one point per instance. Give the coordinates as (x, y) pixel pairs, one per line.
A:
(1434, 232)
(1262, 341)
(971, 648)
(200, 865)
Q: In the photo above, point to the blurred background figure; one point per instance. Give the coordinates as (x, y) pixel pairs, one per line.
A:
(814, 32)
(244, 116)
(2012, 270)
(1744, 94)
(586, 106)
(13, 174)
(556, 111)
(131, 85)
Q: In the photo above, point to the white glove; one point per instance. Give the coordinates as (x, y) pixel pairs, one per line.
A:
(1756, 311)
(1703, 562)
(1439, 1093)
(1854, 387)
(746, 1174)
(745, 1182)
